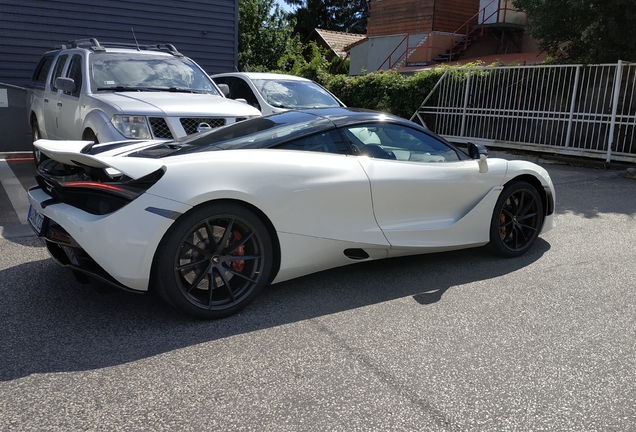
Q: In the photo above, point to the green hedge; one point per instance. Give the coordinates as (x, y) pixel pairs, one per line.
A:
(388, 91)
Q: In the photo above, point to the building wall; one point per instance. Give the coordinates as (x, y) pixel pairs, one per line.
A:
(419, 16)
(204, 30)
(389, 17)
(451, 15)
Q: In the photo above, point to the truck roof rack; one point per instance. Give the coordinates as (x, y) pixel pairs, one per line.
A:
(94, 45)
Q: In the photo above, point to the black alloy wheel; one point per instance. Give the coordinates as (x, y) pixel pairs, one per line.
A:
(215, 261)
(517, 220)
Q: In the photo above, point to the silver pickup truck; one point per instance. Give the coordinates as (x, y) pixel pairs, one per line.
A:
(113, 92)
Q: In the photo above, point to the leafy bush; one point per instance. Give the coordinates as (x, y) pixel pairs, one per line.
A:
(381, 91)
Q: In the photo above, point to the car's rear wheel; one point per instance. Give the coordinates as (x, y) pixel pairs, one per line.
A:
(38, 156)
(517, 220)
(214, 261)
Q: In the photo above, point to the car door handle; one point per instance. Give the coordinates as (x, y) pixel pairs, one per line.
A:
(46, 100)
(59, 104)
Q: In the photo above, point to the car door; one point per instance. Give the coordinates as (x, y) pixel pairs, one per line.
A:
(240, 89)
(422, 188)
(50, 106)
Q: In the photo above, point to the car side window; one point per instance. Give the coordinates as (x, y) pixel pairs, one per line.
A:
(326, 142)
(42, 71)
(59, 67)
(75, 73)
(398, 142)
(239, 89)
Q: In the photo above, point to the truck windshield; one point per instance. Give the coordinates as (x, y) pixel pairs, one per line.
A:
(147, 72)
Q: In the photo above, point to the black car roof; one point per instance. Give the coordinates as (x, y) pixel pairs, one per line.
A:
(269, 131)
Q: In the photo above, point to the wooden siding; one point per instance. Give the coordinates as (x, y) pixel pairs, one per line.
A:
(389, 17)
(204, 30)
(450, 15)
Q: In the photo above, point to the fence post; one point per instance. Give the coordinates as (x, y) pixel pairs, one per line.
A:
(572, 105)
(417, 113)
(463, 128)
(615, 96)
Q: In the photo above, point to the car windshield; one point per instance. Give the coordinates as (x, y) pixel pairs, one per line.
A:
(294, 94)
(147, 72)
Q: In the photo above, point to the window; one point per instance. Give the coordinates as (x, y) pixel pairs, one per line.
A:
(392, 141)
(326, 142)
(111, 71)
(42, 71)
(75, 73)
(59, 67)
(239, 89)
(296, 94)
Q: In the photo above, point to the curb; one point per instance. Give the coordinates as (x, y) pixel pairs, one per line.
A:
(16, 155)
(16, 231)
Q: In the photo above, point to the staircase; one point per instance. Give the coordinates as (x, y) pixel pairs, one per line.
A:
(410, 51)
(458, 48)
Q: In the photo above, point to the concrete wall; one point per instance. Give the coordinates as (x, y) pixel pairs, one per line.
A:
(371, 54)
(14, 130)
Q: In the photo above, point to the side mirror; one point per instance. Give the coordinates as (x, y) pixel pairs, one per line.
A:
(65, 84)
(475, 150)
(480, 153)
(225, 89)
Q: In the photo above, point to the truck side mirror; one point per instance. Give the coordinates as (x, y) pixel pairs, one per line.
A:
(67, 85)
(225, 89)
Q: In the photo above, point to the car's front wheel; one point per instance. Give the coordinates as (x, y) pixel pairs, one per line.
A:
(214, 261)
(517, 220)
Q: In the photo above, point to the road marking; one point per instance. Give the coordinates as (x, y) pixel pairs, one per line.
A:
(15, 191)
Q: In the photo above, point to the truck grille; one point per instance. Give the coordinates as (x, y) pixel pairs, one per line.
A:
(160, 129)
(190, 124)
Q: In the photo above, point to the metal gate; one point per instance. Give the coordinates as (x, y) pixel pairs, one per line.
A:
(566, 109)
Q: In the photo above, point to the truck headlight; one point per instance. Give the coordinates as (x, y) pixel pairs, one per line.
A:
(132, 126)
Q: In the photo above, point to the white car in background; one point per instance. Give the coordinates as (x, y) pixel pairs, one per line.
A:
(272, 93)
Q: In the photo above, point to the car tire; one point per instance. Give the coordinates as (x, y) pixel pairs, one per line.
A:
(517, 220)
(214, 261)
(38, 156)
(89, 135)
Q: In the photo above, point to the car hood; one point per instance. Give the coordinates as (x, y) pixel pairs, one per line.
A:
(177, 104)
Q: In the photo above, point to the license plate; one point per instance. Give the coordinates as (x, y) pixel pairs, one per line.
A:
(36, 220)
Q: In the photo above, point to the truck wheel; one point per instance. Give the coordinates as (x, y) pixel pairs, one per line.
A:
(38, 156)
(89, 135)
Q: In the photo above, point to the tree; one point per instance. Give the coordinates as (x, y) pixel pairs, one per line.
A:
(266, 34)
(583, 31)
(348, 16)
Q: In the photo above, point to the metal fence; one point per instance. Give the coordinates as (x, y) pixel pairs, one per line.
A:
(566, 109)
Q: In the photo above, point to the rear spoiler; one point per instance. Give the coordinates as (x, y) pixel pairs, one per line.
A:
(69, 153)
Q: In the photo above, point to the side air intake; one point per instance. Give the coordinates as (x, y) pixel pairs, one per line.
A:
(356, 254)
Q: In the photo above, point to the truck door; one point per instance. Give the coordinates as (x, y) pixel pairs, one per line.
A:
(50, 107)
(69, 118)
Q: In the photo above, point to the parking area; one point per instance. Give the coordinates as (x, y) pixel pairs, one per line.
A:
(454, 341)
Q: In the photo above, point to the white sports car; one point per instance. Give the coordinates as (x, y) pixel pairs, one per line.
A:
(210, 220)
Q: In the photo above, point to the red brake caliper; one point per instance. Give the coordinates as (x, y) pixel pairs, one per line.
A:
(238, 266)
(502, 228)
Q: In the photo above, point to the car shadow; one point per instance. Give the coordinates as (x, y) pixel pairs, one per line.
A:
(50, 323)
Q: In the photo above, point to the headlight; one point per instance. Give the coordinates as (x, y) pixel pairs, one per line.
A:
(132, 126)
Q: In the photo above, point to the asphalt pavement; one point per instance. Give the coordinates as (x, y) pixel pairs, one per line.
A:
(456, 341)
